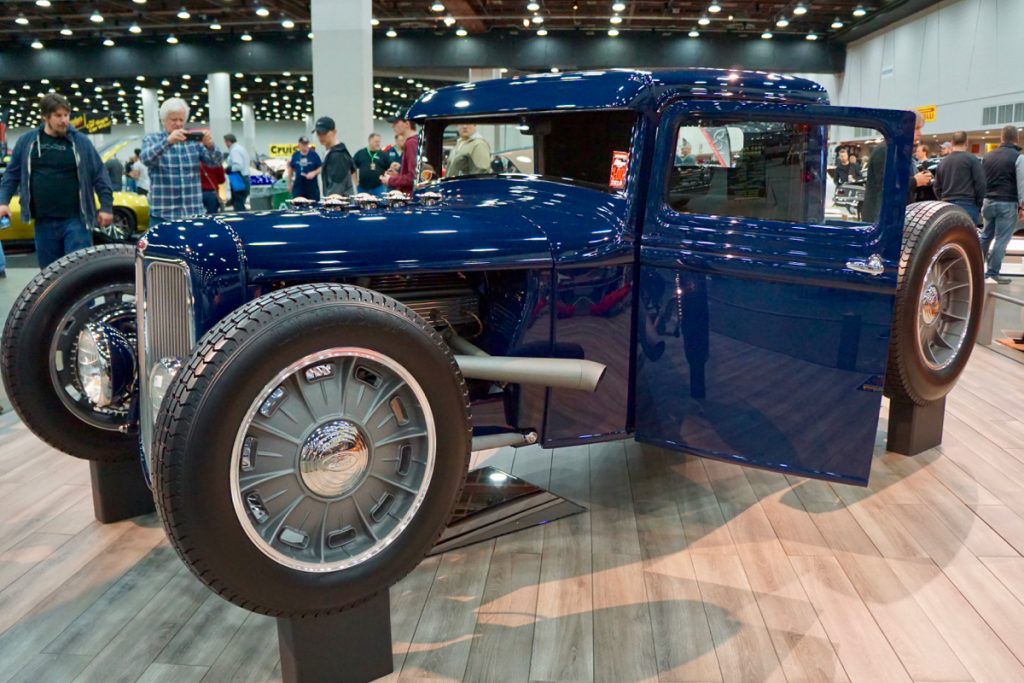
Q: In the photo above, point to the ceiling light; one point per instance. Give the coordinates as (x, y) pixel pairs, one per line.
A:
(374, 21)
(616, 19)
(542, 32)
(694, 33)
(860, 11)
(812, 36)
(392, 33)
(613, 32)
(140, 78)
(22, 20)
(714, 8)
(704, 21)
(449, 20)
(246, 37)
(767, 35)
(134, 28)
(287, 23)
(108, 42)
(65, 31)
(310, 35)
(618, 7)
(437, 7)
(96, 17)
(837, 23)
(537, 19)
(215, 26)
(139, 2)
(37, 44)
(532, 7)
(800, 9)
(262, 12)
(782, 22)
(184, 14)
(462, 33)
(43, 3)
(172, 40)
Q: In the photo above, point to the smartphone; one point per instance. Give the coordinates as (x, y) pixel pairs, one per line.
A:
(195, 135)
(5, 222)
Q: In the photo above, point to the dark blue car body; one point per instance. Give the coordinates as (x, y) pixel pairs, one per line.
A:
(769, 350)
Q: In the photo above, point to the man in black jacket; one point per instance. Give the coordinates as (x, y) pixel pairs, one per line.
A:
(1004, 201)
(960, 179)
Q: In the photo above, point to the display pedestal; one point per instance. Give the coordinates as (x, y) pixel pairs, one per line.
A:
(353, 646)
(913, 428)
(119, 491)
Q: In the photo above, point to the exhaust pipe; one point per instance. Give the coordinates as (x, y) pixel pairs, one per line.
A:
(500, 440)
(563, 373)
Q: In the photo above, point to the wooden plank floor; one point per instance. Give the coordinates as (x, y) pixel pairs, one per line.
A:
(682, 570)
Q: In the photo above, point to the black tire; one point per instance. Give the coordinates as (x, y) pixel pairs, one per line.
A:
(931, 228)
(121, 231)
(26, 360)
(206, 409)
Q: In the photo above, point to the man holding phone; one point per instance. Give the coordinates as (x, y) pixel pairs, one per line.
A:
(173, 157)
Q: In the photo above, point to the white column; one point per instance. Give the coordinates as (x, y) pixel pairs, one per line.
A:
(249, 129)
(343, 67)
(150, 111)
(218, 86)
(489, 133)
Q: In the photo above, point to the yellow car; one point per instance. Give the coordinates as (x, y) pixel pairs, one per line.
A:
(131, 210)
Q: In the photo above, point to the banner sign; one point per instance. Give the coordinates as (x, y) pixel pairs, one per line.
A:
(286, 150)
(92, 123)
(928, 112)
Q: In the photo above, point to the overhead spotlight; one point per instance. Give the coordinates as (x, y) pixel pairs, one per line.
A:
(215, 26)
(449, 20)
(461, 32)
(262, 11)
(617, 7)
(183, 14)
(246, 37)
(616, 19)
(134, 28)
(108, 42)
(800, 9)
(714, 8)
(537, 19)
(812, 36)
(782, 22)
(613, 32)
(704, 21)
(859, 11)
(22, 20)
(767, 35)
(172, 39)
(139, 2)
(837, 23)
(542, 32)
(310, 35)
(437, 7)
(391, 33)
(374, 21)
(96, 17)
(37, 44)
(694, 33)
(43, 3)
(533, 7)
(65, 31)
(287, 23)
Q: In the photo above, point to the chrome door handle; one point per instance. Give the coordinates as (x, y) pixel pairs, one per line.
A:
(872, 266)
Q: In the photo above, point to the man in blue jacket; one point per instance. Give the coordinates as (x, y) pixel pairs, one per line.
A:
(56, 170)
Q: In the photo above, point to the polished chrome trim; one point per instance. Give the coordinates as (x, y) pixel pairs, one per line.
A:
(872, 266)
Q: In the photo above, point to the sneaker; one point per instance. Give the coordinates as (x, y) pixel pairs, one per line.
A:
(997, 280)
(3, 274)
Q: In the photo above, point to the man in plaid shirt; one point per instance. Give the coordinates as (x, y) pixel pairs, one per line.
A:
(173, 161)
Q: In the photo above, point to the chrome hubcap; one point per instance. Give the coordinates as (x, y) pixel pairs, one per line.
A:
(945, 307)
(333, 459)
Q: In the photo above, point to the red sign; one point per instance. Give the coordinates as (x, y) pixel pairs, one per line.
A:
(620, 165)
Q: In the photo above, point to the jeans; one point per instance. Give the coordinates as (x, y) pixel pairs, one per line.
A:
(56, 237)
(3, 259)
(971, 208)
(1000, 220)
(211, 201)
(376, 191)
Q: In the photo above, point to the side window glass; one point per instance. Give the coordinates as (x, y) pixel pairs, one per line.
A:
(772, 170)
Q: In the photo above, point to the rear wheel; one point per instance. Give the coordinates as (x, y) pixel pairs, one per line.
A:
(939, 296)
(121, 229)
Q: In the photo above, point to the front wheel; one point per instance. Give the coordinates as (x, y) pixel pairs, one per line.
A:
(939, 295)
(311, 451)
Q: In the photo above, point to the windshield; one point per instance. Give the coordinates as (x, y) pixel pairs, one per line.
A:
(586, 148)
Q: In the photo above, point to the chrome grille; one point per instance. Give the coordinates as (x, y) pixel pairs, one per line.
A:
(167, 314)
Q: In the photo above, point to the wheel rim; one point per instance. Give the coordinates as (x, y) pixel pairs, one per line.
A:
(944, 309)
(333, 459)
(112, 305)
(120, 229)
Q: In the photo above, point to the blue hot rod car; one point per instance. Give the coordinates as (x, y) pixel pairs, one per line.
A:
(307, 384)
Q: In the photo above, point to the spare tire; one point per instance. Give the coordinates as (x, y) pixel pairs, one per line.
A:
(40, 351)
(939, 295)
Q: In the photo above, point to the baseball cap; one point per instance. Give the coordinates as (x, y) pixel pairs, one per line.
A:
(304, 139)
(324, 124)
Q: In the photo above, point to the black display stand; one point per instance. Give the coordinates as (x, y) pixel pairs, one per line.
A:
(913, 428)
(119, 491)
(353, 646)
